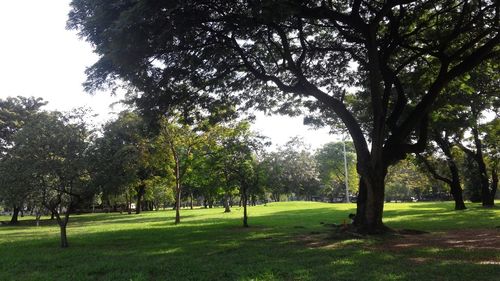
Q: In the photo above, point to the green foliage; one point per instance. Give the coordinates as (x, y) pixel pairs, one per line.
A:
(330, 159)
(405, 180)
(15, 189)
(291, 170)
(472, 180)
(293, 56)
(126, 160)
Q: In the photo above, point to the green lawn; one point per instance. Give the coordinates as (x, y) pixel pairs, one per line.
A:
(285, 242)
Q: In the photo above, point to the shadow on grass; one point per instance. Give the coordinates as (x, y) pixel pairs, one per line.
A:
(152, 248)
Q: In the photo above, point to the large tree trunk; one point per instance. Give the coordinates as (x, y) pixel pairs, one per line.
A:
(370, 205)
(374, 204)
(15, 215)
(360, 203)
(456, 190)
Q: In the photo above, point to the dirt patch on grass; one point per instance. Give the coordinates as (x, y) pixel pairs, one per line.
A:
(473, 239)
(470, 239)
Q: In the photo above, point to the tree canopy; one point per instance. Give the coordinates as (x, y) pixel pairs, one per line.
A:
(291, 55)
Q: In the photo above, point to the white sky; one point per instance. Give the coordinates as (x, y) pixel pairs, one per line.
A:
(39, 57)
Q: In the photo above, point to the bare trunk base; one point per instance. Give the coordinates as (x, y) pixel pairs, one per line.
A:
(15, 216)
(64, 238)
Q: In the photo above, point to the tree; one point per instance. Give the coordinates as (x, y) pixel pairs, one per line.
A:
(180, 141)
(291, 170)
(14, 113)
(330, 159)
(482, 96)
(446, 126)
(52, 149)
(127, 152)
(299, 169)
(290, 55)
(240, 164)
(404, 181)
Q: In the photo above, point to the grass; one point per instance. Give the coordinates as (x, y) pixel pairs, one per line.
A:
(212, 245)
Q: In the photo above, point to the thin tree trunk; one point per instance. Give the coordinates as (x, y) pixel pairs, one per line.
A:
(64, 238)
(63, 222)
(226, 203)
(191, 200)
(38, 215)
(177, 204)
(129, 204)
(494, 186)
(244, 200)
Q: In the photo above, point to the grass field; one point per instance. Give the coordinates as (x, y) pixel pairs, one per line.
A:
(285, 241)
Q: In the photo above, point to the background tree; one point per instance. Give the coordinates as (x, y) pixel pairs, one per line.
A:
(53, 149)
(14, 113)
(442, 135)
(125, 159)
(405, 182)
(481, 94)
(180, 141)
(240, 162)
(330, 159)
(283, 54)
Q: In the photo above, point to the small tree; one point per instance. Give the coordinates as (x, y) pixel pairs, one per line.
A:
(180, 141)
(53, 149)
(330, 159)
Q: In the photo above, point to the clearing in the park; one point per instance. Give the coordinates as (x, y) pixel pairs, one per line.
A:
(285, 241)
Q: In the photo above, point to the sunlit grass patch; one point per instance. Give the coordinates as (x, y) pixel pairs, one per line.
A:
(285, 241)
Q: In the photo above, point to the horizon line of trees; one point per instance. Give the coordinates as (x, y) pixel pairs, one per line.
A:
(55, 163)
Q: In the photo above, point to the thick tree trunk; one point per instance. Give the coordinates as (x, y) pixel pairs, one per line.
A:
(455, 188)
(15, 215)
(374, 204)
(456, 192)
(370, 205)
(360, 204)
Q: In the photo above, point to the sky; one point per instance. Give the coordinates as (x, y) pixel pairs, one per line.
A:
(39, 57)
